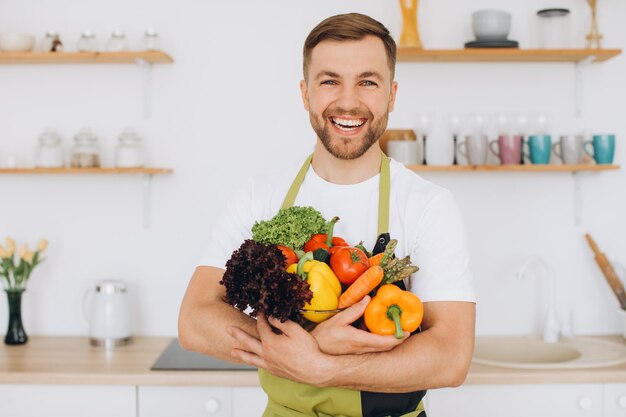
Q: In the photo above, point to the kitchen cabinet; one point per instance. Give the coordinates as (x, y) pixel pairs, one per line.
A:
(519, 401)
(614, 400)
(67, 400)
(184, 401)
(200, 401)
(248, 401)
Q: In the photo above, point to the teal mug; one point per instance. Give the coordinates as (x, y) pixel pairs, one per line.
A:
(603, 148)
(539, 148)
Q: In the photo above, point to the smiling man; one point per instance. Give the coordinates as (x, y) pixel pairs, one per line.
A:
(337, 369)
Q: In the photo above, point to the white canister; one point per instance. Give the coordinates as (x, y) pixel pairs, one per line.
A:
(129, 152)
(49, 153)
(554, 30)
(108, 314)
(408, 152)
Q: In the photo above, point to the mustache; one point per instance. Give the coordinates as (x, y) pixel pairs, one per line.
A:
(356, 113)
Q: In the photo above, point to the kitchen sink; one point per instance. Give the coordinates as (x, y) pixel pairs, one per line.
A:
(531, 352)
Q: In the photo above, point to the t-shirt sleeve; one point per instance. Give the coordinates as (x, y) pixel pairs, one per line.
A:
(233, 226)
(442, 254)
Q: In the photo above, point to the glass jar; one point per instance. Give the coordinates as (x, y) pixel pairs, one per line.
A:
(85, 152)
(49, 152)
(87, 42)
(129, 152)
(554, 29)
(117, 42)
(52, 42)
(151, 41)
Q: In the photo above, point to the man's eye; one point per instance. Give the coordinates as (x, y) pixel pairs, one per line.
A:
(368, 83)
(328, 82)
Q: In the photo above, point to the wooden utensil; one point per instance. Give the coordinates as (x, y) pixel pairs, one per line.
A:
(609, 272)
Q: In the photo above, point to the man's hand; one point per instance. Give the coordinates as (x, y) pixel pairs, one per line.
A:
(285, 355)
(337, 336)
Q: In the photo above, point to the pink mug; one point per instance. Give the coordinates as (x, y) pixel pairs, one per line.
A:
(508, 148)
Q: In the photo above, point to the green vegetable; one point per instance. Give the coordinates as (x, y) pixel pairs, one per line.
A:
(291, 227)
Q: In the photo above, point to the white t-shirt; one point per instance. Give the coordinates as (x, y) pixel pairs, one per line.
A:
(423, 217)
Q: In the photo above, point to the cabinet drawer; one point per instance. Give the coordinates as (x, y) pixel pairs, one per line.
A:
(517, 400)
(184, 401)
(615, 400)
(67, 401)
(249, 401)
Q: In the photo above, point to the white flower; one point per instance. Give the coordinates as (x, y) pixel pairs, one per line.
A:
(10, 247)
(23, 251)
(28, 257)
(43, 244)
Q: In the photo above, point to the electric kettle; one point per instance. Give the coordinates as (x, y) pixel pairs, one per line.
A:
(107, 311)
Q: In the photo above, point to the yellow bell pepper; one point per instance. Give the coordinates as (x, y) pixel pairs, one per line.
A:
(393, 311)
(323, 283)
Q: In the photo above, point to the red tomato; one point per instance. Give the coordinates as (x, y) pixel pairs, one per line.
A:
(348, 264)
(290, 255)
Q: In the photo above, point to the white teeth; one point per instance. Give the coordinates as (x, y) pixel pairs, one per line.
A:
(348, 122)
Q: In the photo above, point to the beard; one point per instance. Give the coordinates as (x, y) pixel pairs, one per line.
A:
(348, 148)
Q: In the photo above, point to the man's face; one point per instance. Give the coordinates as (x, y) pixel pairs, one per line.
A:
(349, 94)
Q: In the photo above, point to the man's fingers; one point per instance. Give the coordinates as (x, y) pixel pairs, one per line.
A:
(288, 327)
(352, 313)
(249, 358)
(244, 341)
(377, 343)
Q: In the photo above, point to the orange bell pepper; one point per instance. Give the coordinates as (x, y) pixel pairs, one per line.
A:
(393, 311)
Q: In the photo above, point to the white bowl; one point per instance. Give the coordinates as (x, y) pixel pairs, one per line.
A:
(16, 42)
(491, 25)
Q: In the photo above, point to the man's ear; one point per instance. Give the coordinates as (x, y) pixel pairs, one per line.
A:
(305, 94)
(392, 95)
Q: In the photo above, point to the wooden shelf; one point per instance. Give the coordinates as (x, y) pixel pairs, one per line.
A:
(519, 168)
(78, 171)
(504, 55)
(153, 57)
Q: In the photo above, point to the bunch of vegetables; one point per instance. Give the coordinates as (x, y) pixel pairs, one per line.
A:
(294, 268)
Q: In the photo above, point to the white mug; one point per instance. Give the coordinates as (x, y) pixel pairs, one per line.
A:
(475, 149)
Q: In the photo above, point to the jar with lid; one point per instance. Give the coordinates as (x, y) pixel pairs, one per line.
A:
(49, 152)
(52, 42)
(117, 42)
(85, 152)
(129, 152)
(151, 40)
(554, 30)
(87, 42)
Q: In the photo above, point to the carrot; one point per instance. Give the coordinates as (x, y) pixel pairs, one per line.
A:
(362, 286)
(375, 260)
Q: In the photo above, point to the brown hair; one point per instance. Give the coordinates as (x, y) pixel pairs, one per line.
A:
(349, 27)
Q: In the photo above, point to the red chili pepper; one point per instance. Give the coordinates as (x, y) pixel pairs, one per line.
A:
(325, 240)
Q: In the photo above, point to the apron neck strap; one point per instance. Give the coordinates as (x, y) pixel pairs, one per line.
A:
(290, 198)
(384, 187)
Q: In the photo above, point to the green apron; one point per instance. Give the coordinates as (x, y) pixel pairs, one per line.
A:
(291, 399)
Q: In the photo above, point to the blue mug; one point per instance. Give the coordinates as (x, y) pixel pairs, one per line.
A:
(603, 148)
(540, 148)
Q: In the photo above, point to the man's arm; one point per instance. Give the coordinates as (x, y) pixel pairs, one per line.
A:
(439, 356)
(204, 316)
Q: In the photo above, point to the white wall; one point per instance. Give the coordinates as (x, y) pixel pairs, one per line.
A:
(229, 107)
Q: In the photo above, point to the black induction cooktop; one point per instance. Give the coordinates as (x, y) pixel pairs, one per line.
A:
(175, 358)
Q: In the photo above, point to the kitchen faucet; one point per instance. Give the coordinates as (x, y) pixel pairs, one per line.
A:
(551, 327)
